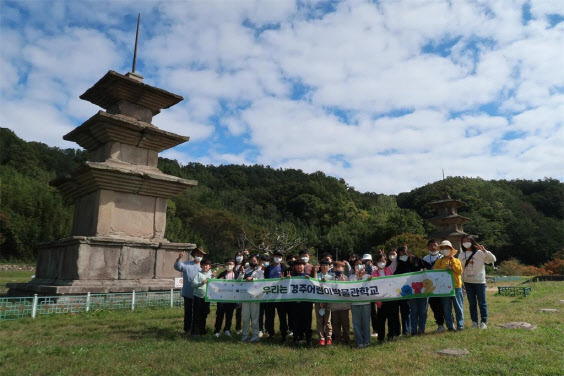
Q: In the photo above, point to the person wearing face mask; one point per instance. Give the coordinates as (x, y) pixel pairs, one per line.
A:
(474, 258)
(274, 271)
(369, 267)
(301, 310)
(239, 265)
(361, 310)
(449, 262)
(250, 311)
(322, 311)
(406, 262)
(340, 312)
(189, 270)
(392, 255)
(349, 265)
(264, 263)
(435, 303)
(387, 310)
(308, 269)
(201, 307)
(225, 309)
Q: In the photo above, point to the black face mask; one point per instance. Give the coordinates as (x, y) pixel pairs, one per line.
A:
(338, 274)
(252, 265)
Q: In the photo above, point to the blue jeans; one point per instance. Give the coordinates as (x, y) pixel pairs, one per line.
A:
(361, 323)
(455, 301)
(418, 314)
(477, 292)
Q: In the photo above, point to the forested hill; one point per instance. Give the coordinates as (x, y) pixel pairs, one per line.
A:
(258, 205)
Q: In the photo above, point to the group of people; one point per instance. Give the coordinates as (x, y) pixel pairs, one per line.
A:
(399, 317)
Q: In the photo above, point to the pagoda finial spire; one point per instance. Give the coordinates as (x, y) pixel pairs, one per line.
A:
(444, 185)
(132, 74)
(136, 40)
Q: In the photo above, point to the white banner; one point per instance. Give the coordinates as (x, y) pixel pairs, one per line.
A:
(430, 283)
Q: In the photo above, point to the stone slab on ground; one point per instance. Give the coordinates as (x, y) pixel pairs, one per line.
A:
(561, 301)
(549, 310)
(453, 352)
(518, 325)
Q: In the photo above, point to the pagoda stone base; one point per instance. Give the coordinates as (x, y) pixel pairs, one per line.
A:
(99, 265)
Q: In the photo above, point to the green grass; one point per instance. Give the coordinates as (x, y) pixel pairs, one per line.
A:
(150, 342)
(13, 277)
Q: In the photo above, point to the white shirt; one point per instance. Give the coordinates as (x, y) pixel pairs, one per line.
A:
(475, 271)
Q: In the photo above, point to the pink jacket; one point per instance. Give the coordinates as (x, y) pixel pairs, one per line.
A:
(387, 271)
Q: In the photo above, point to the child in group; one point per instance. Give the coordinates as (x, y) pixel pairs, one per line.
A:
(322, 312)
(201, 307)
(264, 263)
(435, 302)
(250, 311)
(386, 309)
(361, 310)
(225, 309)
(274, 271)
(340, 322)
(449, 262)
(308, 268)
(239, 264)
(301, 311)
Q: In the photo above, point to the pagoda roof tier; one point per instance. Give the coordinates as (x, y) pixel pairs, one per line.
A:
(449, 218)
(103, 128)
(446, 203)
(115, 87)
(446, 234)
(93, 176)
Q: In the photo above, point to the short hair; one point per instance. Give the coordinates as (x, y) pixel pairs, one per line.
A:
(304, 252)
(298, 262)
(326, 254)
(265, 258)
(431, 241)
(228, 260)
(205, 261)
(291, 256)
(338, 264)
(324, 262)
(402, 248)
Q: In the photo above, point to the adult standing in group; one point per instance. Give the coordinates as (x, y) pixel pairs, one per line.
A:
(189, 270)
(272, 271)
(250, 310)
(239, 266)
(435, 303)
(473, 258)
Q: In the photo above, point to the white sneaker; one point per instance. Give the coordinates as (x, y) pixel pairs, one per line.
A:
(227, 333)
(260, 334)
(374, 335)
(291, 334)
(474, 325)
(254, 339)
(216, 335)
(239, 331)
(441, 328)
(483, 326)
(244, 338)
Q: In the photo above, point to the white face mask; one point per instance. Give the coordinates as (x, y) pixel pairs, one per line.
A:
(360, 267)
(198, 258)
(467, 244)
(445, 252)
(265, 263)
(434, 253)
(277, 260)
(229, 268)
(305, 259)
(381, 265)
(404, 257)
(393, 257)
(239, 258)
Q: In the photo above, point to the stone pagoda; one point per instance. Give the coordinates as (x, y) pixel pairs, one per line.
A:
(447, 221)
(120, 197)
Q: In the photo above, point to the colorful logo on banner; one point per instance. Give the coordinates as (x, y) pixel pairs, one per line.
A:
(430, 283)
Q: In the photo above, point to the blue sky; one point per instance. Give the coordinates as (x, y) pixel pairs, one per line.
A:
(384, 94)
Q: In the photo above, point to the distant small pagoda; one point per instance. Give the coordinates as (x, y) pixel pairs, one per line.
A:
(448, 221)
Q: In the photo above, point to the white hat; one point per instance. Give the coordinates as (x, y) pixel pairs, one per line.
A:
(445, 243)
(367, 256)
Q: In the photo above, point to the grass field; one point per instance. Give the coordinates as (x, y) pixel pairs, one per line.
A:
(13, 277)
(150, 342)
